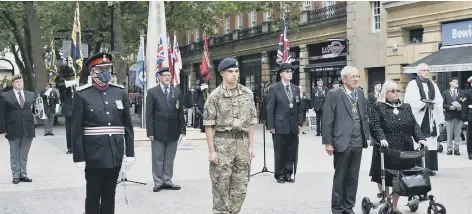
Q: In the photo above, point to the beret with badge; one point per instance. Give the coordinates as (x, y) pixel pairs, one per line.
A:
(16, 77)
(227, 64)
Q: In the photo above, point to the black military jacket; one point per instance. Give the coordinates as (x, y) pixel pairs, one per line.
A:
(466, 100)
(102, 108)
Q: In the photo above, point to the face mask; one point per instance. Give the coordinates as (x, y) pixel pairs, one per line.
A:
(104, 77)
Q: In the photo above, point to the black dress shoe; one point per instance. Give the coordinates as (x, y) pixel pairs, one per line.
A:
(26, 179)
(456, 152)
(157, 189)
(432, 173)
(16, 180)
(69, 151)
(280, 180)
(171, 187)
(449, 152)
(470, 157)
(289, 179)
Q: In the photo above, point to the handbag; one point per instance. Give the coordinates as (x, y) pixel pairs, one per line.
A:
(412, 182)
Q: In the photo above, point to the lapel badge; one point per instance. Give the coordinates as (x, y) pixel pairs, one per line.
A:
(104, 58)
(462, 99)
(177, 104)
(296, 99)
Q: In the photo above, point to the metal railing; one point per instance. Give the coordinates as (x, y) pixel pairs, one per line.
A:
(333, 11)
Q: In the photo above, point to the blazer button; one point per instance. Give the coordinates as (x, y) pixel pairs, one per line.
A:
(351, 125)
(109, 135)
(104, 93)
(106, 103)
(109, 124)
(109, 113)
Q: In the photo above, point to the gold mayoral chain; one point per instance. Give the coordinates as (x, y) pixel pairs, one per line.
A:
(353, 101)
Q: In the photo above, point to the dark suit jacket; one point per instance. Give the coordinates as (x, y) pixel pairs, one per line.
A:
(318, 98)
(371, 98)
(165, 121)
(451, 114)
(16, 121)
(280, 116)
(337, 121)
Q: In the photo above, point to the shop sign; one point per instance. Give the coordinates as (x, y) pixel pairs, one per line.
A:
(328, 50)
(457, 33)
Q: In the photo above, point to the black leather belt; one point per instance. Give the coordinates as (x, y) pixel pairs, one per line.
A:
(234, 135)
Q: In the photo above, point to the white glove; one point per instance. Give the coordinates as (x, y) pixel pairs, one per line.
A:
(466, 123)
(384, 143)
(130, 160)
(81, 166)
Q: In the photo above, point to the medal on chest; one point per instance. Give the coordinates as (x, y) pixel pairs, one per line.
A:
(119, 104)
(177, 104)
(291, 105)
(354, 107)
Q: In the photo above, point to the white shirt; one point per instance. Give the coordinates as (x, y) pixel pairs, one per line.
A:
(285, 88)
(18, 97)
(164, 90)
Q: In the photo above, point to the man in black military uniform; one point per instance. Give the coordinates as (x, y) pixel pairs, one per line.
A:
(318, 99)
(467, 116)
(101, 132)
(66, 74)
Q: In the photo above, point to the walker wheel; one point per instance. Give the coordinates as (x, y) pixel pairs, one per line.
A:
(386, 209)
(413, 207)
(436, 208)
(440, 148)
(366, 205)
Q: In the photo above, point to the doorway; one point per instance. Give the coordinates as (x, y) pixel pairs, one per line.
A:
(375, 75)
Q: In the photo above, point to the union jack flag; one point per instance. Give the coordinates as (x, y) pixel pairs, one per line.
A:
(283, 52)
(160, 55)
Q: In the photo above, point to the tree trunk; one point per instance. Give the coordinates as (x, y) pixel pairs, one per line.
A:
(119, 66)
(36, 46)
(25, 60)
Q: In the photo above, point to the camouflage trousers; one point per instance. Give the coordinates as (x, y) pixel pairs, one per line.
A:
(230, 175)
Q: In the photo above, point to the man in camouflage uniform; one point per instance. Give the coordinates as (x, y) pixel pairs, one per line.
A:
(231, 113)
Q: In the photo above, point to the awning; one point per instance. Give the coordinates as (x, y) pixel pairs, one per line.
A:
(447, 59)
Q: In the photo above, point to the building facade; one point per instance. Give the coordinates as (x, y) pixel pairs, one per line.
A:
(436, 33)
(318, 46)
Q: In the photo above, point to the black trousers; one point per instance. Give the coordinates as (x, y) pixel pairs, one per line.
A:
(469, 139)
(346, 179)
(68, 136)
(101, 185)
(285, 146)
(319, 115)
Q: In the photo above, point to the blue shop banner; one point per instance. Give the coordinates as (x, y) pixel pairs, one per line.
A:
(457, 33)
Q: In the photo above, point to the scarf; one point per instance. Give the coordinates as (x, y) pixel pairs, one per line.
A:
(431, 92)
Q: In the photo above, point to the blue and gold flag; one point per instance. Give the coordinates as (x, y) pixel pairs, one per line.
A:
(52, 74)
(75, 57)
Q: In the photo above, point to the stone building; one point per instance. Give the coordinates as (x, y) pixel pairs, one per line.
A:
(437, 33)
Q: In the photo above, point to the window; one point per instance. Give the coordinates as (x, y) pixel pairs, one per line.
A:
(227, 24)
(416, 36)
(330, 10)
(267, 16)
(239, 22)
(197, 35)
(306, 5)
(253, 19)
(375, 16)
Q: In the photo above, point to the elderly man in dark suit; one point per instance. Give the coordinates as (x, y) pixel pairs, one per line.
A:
(452, 113)
(318, 99)
(17, 123)
(284, 116)
(345, 134)
(165, 123)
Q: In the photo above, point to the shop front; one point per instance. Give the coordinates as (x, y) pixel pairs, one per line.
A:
(325, 61)
(295, 56)
(454, 57)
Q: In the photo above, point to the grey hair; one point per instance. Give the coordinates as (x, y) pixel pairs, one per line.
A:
(387, 86)
(420, 66)
(347, 70)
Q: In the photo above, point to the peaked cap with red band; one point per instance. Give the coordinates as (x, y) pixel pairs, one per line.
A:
(99, 59)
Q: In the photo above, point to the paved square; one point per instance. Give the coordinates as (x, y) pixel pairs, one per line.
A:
(59, 187)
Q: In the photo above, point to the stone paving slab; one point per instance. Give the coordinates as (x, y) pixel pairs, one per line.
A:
(59, 187)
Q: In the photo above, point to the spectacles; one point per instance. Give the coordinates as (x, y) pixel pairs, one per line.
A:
(288, 71)
(165, 75)
(355, 76)
(395, 91)
(101, 69)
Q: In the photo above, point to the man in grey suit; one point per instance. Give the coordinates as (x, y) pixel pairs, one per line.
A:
(284, 117)
(165, 123)
(345, 134)
(17, 123)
